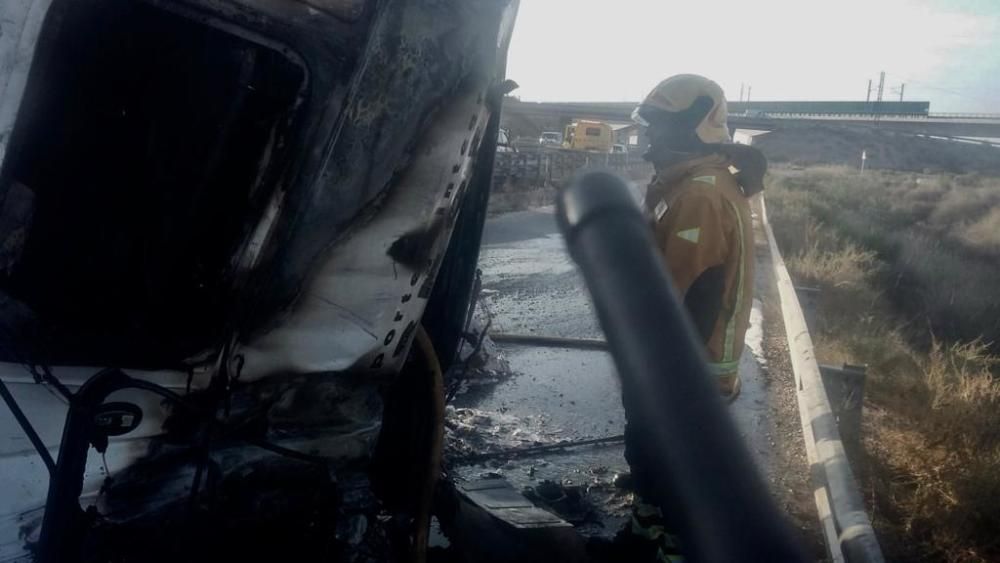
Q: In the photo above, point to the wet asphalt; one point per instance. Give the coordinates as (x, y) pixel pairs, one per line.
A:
(531, 286)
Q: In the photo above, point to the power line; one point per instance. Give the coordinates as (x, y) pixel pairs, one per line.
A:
(948, 90)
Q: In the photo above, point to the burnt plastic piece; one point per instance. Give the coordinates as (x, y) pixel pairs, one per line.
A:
(489, 521)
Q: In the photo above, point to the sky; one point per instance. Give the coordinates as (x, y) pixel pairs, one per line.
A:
(944, 51)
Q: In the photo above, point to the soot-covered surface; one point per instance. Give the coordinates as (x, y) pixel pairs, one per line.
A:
(530, 286)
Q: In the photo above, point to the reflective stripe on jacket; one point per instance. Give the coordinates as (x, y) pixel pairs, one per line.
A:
(704, 232)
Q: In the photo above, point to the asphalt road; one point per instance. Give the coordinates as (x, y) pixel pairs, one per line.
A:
(531, 286)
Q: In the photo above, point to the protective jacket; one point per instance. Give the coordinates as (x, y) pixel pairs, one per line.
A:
(703, 228)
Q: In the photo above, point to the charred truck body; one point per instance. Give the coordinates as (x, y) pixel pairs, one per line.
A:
(222, 225)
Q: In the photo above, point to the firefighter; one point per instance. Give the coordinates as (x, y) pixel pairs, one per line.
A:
(698, 202)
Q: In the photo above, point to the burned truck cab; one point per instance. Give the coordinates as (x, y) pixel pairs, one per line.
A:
(244, 211)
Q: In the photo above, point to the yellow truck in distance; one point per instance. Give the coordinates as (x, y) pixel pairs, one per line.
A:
(584, 135)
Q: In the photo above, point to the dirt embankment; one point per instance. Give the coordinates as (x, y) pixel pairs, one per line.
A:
(811, 145)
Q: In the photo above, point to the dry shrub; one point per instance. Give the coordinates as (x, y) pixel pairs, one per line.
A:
(964, 395)
(926, 192)
(934, 279)
(931, 505)
(971, 179)
(964, 204)
(984, 234)
(933, 450)
(846, 267)
(946, 463)
(793, 208)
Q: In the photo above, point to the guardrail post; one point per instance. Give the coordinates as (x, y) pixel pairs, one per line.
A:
(809, 301)
(845, 386)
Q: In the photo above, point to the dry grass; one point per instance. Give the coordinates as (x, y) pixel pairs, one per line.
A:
(908, 271)
(935, 238)
(938, 472)
(845, 267)
(964, 394)
(984, 233)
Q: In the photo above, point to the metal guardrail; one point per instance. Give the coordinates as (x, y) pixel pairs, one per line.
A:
(848, 531)
(540, 164)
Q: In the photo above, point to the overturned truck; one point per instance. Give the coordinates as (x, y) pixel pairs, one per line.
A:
(223, 225)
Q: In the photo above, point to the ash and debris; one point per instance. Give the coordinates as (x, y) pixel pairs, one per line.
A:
(494, 412)
(517, 396)
(480, 365)
(474, 431)
(520, 396)
(574, 485)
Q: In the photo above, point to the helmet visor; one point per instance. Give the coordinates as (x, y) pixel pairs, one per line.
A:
(638, 118)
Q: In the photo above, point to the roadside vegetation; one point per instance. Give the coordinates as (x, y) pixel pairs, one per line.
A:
(909, 268)
(820, 145)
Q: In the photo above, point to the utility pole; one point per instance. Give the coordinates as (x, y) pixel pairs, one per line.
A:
(749, 89)
(741, 91)
(878, 101)
(900, 90)
(868, 93)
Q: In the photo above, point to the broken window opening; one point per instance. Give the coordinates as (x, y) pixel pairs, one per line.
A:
(150, 144)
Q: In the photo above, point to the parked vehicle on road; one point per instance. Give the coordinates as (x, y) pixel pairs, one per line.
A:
(585, 135)
(550, 139)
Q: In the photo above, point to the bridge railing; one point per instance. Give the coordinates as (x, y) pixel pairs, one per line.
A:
(830, 116)
(966, 117)
(621, 112)
(940, 115)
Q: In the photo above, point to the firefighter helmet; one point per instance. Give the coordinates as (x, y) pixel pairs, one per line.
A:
(690, 102)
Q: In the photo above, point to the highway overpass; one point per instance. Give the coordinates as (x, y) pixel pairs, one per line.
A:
(946, 125)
